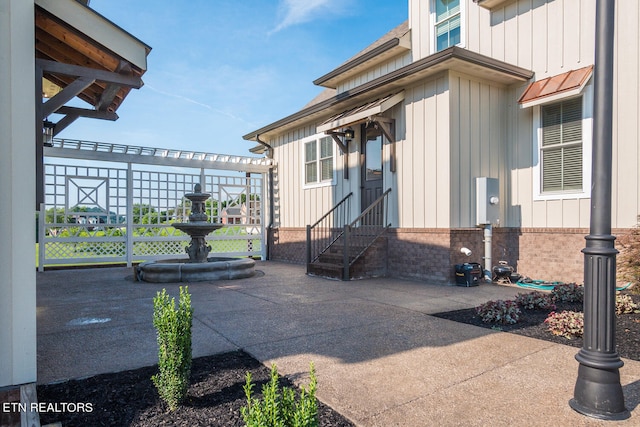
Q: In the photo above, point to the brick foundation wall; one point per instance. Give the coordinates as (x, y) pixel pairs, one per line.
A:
(419, 253)
(288, 245)
(374, 263)
(543, 253)
(430, 254)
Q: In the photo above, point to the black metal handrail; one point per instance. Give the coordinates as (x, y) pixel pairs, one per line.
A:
(325, 231)
(364, 231)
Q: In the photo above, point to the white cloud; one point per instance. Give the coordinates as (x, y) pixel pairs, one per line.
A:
(300, 11)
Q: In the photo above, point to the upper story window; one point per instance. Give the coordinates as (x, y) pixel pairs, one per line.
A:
(318, 160)
(447, 24)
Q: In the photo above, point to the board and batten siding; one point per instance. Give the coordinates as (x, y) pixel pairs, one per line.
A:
(478, 143)
(626, 113)
(423, 157)
(375, 72)
(551, 37)
(295, 205)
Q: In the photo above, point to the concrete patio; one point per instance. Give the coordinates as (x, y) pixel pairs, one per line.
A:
(381, 358)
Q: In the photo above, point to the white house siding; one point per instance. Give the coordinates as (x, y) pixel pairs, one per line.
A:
(17, 195)
(375, 72)
(297, 206)
(420, 29)
(452, 128)
(626, 110)
(547, 36)
(551, 37)
(478, 145)
(423, 156)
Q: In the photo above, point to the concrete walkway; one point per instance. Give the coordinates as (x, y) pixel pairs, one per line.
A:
(381, 359)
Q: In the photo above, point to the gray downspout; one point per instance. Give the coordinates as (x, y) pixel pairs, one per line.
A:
(271, 204)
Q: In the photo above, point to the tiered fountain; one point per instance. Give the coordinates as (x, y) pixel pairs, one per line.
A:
(199, 267)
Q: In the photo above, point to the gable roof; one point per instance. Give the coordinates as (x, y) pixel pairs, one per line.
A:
(452, 58)
(391, 44)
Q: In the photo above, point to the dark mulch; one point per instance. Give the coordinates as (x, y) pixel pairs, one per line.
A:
(531, 324)
(129, 398)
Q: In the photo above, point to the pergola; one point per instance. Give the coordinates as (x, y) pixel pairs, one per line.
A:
(79, 53)
(57, 50)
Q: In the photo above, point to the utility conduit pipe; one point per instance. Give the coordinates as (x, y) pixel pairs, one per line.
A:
(488, 260)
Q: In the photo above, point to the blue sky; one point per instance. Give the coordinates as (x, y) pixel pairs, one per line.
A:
(220, 69)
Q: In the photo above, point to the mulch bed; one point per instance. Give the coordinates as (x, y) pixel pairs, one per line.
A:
(531, 324)
(129, 398)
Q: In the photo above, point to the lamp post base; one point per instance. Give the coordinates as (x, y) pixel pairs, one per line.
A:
(598, 394)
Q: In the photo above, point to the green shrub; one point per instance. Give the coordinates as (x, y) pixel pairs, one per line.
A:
(504, 312)
(568, 292)
(279, 408)
(535, 300)
(174, 346)
(567, 324)
(625, 305)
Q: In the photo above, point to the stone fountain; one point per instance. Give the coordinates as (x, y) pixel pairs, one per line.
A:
(198, 226)
(199, 267)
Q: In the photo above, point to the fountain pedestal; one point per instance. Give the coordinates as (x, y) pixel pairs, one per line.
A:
(198, 226)
(199, 267)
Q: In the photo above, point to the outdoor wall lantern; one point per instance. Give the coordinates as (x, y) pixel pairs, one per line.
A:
(349, 133)
(47, 133)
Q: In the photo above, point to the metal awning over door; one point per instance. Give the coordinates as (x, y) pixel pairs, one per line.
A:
(362, 113)
(365, 113)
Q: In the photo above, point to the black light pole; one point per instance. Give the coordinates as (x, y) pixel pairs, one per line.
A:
(598, 392)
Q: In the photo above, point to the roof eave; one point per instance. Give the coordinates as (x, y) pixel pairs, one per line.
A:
(448, 59)
(99, 28)
(390, 48)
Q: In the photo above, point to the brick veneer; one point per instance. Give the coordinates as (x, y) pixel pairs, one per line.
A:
(430, 253)
(288, 245)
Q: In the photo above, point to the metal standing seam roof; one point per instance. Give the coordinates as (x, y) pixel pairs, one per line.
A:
(361, 112)
(561, 85)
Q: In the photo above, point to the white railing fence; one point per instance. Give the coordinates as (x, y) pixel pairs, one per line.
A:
(101, 212)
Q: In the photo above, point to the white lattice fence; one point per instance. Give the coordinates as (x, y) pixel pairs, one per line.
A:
(121, 214)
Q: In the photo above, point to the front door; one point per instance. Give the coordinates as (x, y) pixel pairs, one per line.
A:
(371, 165)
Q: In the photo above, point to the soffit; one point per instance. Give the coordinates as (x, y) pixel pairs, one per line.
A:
(70, 33)
(492, 4)
(556, 87)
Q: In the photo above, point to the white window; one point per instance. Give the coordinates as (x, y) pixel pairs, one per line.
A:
(447, 24)
(563, 148)
(561, 151)
(318, 161)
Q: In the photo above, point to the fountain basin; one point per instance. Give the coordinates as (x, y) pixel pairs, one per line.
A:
(216, 268)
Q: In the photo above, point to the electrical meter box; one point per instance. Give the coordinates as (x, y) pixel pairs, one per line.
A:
(487, 201)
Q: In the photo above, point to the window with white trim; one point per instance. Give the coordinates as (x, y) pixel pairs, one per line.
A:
(447, 24)
(318, 161)
(561, 148)
(563, 137)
